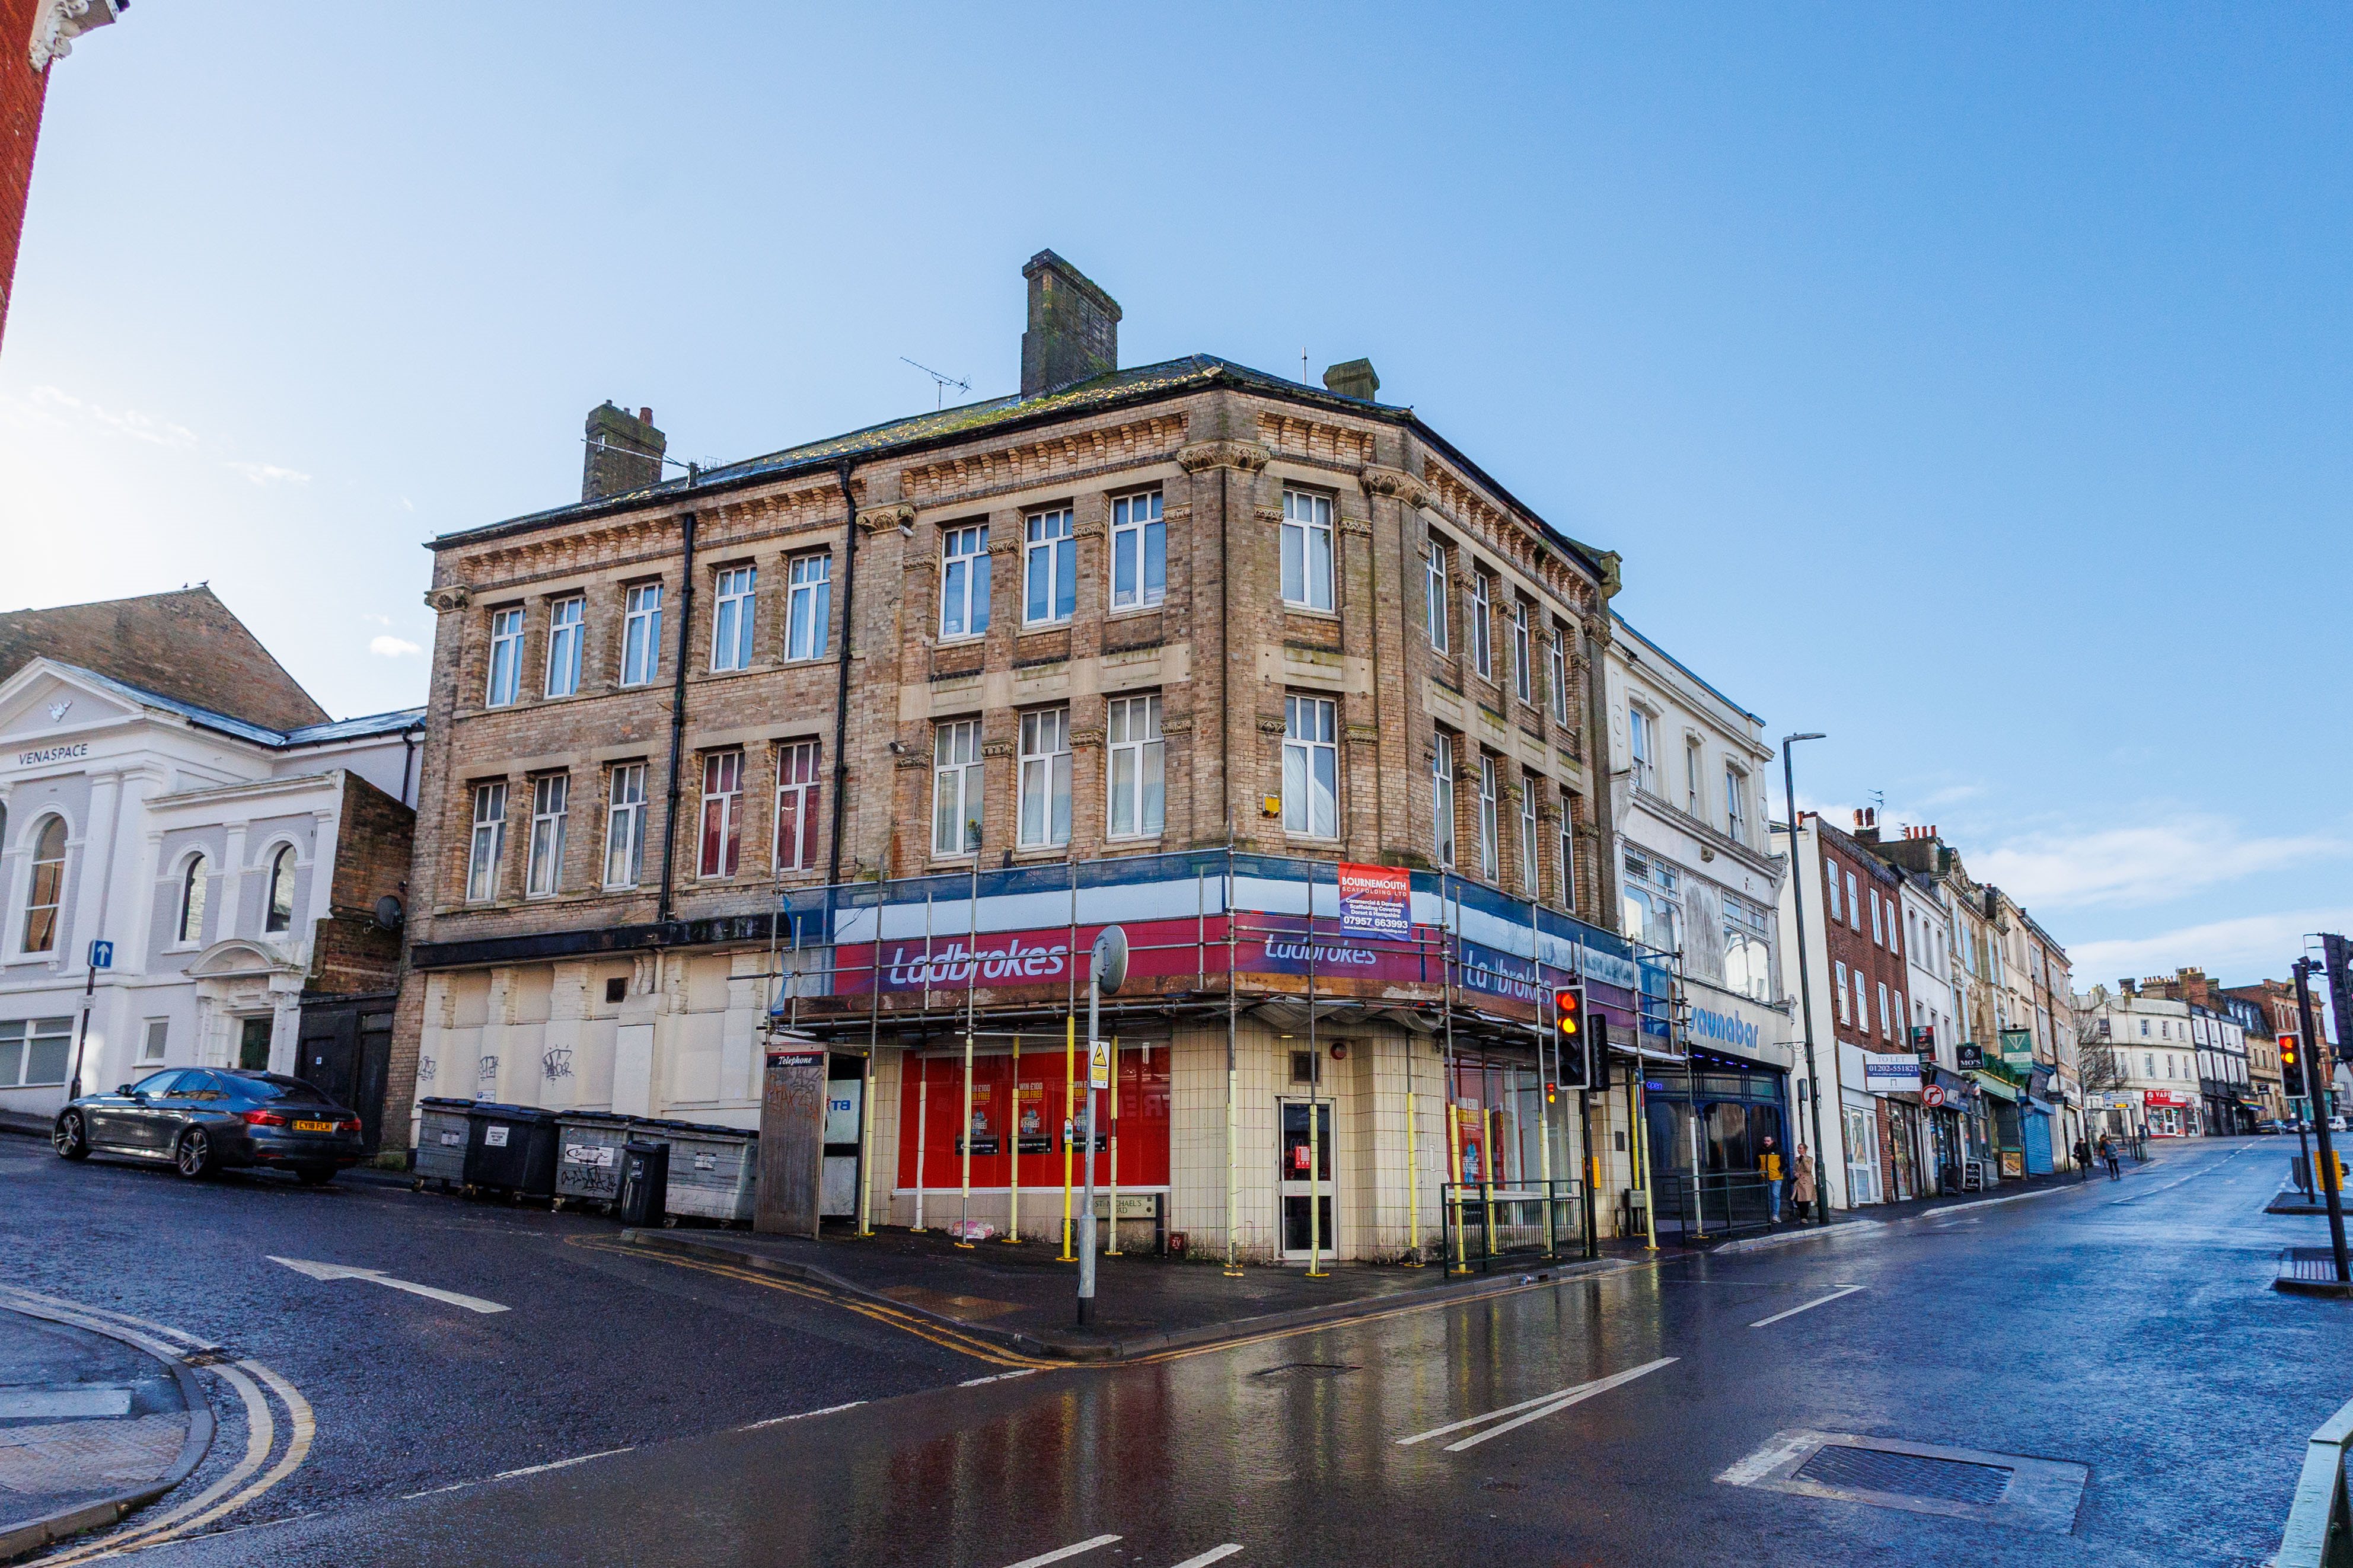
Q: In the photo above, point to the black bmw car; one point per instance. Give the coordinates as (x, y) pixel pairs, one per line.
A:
(202, 1119)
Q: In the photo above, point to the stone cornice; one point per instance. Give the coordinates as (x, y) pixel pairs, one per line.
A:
(891, 514)
(1395, 483)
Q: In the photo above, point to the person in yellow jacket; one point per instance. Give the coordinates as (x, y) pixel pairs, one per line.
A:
(1768, 1165)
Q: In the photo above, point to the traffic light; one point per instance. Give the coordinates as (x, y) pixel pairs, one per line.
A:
(1572, 1050)
(2291, 1068)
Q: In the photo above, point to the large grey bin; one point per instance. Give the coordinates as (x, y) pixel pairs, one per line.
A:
(588, 1156)
(713, 1171)
(442, 1140)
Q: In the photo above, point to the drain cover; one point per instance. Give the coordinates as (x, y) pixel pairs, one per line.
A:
(1908, 1475)
(1297, 1370)
(2009, 1489)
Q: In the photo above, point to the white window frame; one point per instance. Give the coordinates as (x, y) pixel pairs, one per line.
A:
(1490, 854)
(1567, 853)
(625, 824)
(723, 803)
(641, 617)
(1482, 629)
(487, 845)
(1886, 1029)
(1862, 1004)
(1311, 768)
(1441, 800)
(1877, 936)
(1736, 806)
(799, 782)
(1559, 677)
(808, 605)
(1853, 907)
(1839, 977)
(154, 1041)
(1838, 910)
(1306, 550)
(505, 684)
(1531, 863)
(964, 582)
(1137, 771)
(1694, 804)
(567, 620)
(551, 806)
(1051, 557)
(1524, 675)
(1434, 590)
(957, 787)
(1044, 779)
(1138, 532)
(734, 616)
(1642, 743)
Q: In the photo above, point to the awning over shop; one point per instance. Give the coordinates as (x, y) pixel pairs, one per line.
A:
(1994, 1086)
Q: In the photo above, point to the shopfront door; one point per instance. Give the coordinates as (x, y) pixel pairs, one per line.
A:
(1862, 1155)
(1298, 1182)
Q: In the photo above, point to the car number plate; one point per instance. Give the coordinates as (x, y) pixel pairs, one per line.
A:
(314, 1127)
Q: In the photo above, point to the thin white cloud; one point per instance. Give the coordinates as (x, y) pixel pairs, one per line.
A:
(270, 473)
(2239, 952)
(128, 422)
(393, 648)
(2145, 864)
(371, 616)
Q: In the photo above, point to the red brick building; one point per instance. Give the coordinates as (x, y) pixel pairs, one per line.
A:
(34, 35)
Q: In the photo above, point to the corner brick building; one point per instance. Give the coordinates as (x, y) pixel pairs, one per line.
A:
(1158, 645)
(34, 35)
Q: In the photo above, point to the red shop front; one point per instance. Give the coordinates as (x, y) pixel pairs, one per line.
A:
(1021, 1098)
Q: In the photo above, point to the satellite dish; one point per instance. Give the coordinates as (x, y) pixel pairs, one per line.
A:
(1110, 972)
(388, 913)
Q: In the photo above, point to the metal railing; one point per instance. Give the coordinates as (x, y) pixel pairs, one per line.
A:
(2319, 1531)
(1714, 1206)
(1510, 1223)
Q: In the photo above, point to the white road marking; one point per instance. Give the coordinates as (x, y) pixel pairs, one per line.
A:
(2192, 1176)
(1820, 1301)
(526, 1470)
(1214, 1555)
(1536, 1409)
(378, 1277)
(799, 1415)
(1783, 1447)
(1989, 1203)
(1006, 1378)
(1056, 1556)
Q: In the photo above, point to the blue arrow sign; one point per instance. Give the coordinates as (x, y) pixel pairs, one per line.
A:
(101, 955)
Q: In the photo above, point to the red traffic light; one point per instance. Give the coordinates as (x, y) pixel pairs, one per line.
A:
(1568, 1004)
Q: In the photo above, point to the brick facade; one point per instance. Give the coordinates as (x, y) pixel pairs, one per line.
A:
(22, 92)
(183, 644)
(353, 952)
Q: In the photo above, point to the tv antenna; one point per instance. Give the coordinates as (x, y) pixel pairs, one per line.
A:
(940, 382)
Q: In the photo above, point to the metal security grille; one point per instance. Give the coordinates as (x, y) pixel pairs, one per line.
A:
(1905, 1474)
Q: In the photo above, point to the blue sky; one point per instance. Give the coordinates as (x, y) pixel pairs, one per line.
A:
(1969, 383)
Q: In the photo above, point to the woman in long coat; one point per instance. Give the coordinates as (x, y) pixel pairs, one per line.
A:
(1801, 1182)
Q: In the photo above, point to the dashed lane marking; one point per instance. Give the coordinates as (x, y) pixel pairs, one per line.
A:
(804, 1414)
(1214, 1555)
(1060, 1552)
(525, 1470)
(2202, 1171)
(1807, 1306)
(997, 1377)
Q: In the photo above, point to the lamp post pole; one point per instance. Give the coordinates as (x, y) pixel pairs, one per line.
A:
(1806, 984)
(2322, 1104)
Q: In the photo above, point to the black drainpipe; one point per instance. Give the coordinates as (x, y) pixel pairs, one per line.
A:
(678, 708)
(841, 682)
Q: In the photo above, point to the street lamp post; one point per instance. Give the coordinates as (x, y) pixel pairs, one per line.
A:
(1806, 983)
(2321, 1099)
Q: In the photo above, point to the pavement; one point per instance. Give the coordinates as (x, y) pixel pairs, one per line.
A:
(478, 1382)
(92, 1427)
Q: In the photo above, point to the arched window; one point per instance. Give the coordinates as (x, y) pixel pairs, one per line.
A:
(193, 887)
(48, 886)
(281, 891)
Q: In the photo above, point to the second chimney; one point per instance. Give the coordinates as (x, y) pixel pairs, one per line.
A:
(625, 452)
(1073, 333)
(1353, 378)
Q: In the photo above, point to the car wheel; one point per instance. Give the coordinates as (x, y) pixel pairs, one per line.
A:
(315, 1175)
(194, 1157)
(69, 1139)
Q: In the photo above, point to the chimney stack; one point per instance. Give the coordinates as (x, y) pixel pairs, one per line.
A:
(1073, 333)
(1353, 378)
(624, 453)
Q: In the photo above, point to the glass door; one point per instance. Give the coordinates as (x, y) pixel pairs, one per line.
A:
(1296, 1183)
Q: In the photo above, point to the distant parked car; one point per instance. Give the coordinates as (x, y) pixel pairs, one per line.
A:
(2270, 1126)
(203, 1119)
(2337, 1124)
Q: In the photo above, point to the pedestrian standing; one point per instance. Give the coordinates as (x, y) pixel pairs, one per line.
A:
(1768, 1165)
(1801, 1183)
(2108, 1157)
(2084, 1158)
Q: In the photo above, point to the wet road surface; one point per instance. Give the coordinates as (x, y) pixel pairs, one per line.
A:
(2125, 1329)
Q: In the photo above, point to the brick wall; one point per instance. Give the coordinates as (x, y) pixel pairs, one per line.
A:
(374, 843)
(184, 644)
(22, 92)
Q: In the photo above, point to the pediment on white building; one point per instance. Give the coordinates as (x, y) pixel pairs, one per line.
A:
(241, 958)
(46, 705)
